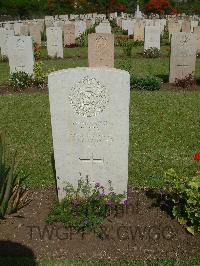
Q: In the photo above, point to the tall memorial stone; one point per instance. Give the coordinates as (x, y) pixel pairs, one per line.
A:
(152, 37)
(101, 50)
(54, 42)
(90, 126)
(183, 56)
(69, 34)
(20, 54)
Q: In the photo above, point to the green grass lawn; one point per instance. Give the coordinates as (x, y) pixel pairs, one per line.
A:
(164, 133)
(78, 57)
(164, 125)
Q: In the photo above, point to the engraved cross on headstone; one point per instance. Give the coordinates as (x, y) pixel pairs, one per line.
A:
(91, 159)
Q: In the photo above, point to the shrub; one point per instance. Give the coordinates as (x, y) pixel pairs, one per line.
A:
(39, 78)
(85, 208)
(37, 52)
(185, 198)
(152, 53)
(186, 83)
(20, 80)
(12, 195)
(149, 83)
(127, 46)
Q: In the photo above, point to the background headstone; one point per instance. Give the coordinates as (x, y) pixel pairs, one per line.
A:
(197, 33)
(54, 42)
(35, 33)
(183, 55)
(101, 50)
(20, 54)
(69, 34)
(152, 37)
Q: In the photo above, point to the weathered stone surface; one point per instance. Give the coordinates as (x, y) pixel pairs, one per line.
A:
(35, 32)
(5, 34)
(183, 55)
(197, 33)
(186, 26)
(69, 34)
(80, 28)
(24, 30)
(101, 50)
(90, 126)
(173, 27)
(139, 30)
(152, 37)
(103, 27)
(20, 54)
(54, 42)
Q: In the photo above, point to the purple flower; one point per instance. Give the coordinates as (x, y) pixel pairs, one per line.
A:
(126, 202)
(130, 189)
(109, 202)
(97, 184)
(85, 222)
(102, 194)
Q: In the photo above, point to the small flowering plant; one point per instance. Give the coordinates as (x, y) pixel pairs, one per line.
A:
(197, 156)
(85, 207)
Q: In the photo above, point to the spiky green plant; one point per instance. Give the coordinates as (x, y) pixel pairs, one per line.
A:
(12, 195)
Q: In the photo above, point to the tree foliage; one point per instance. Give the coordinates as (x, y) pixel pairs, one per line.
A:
(35, 8)
(161, 7)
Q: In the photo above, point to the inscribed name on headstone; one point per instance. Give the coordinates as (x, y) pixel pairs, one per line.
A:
(20, 54)
(69, 34)
(183, 56)
(35, 32)
(139, 30)
(152, 37)
(90, 126)
(101, 50)
(197, 33)
(54, 42)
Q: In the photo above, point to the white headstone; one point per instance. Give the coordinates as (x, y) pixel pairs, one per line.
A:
(80, 28)
(103, 27)
(54, 42)
(90, 125)
(152, 37)
(4, 41)
(20, 54)
(183, 55)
